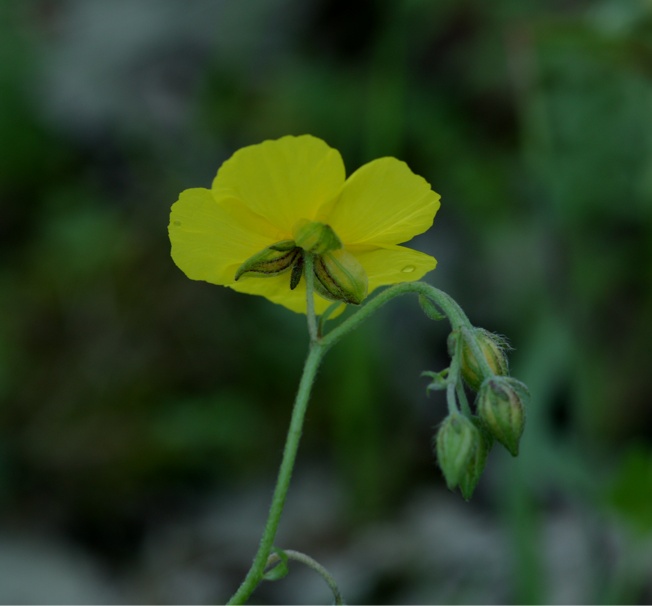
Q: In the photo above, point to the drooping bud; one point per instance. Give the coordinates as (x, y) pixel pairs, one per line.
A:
(471, 476)
(456, 443)
(502, 411)
(314, 237)
(340, 277)
(492, 347)
(271, 261)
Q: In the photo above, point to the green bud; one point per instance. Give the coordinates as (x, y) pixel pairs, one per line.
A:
(456, 443)
(271, 261)
(315, 237)
(501, 408)
(492, 347)
(471, 475)
(340, 277)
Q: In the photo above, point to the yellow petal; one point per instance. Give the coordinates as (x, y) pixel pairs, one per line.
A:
(212, 237)
(382, 203)
(394, 264)
(277, 290)
(284, 180)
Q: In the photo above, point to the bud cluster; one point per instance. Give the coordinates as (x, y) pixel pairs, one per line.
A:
(465, 438)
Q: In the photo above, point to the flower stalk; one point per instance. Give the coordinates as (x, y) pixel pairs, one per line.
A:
(319, 345)
(257, 570)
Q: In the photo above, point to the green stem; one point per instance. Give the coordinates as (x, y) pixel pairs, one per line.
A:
(456, 316)
(315, 565)
(255, 574)
(453, 379)
(326, 315)
(318, 347)
(309, 274)
(315, 354)
(464, 402)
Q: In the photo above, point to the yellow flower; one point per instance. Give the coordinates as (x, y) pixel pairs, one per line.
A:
(267, 194)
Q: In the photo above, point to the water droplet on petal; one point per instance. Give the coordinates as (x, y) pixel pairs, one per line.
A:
(408, 269)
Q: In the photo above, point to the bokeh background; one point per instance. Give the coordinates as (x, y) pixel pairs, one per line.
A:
(142, 414)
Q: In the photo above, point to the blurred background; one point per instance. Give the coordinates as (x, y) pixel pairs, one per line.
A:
(143, 415)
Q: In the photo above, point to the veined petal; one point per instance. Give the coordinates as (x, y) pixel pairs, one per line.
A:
(394, 264)
(383, 203)
(212, 237)
(284, 180)
(277, 290)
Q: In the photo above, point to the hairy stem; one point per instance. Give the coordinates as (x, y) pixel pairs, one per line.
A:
(451, 309)
(318, 347)
(315, 354)
(255, 574)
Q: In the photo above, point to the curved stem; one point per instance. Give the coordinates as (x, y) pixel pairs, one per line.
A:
(315, 354)
(315, 565)
(318, 347)
(326, 315)
(452, 310)
(453, 379)
(255, 574)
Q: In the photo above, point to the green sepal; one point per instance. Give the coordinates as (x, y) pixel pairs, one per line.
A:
(280, 569)
(271, 261)
(340, 277)
(297, 271)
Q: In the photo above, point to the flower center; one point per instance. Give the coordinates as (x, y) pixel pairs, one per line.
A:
(338, 275)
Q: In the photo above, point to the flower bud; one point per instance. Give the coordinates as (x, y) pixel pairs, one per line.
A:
(315, 237)
(340, 277)
(492, 347)
(271, 261)
(456, 443)
(471, 476)
(501, 408)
